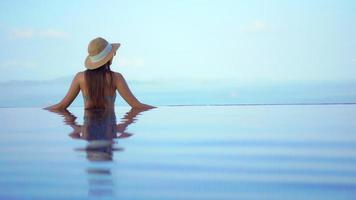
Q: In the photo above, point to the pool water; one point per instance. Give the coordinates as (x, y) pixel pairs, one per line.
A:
(180, 152)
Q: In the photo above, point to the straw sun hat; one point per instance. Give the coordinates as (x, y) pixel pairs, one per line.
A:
(100, 52)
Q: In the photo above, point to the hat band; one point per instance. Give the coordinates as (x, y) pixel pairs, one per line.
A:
(102, 54)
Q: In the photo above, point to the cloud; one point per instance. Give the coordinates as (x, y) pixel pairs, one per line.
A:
(28, 33)
(256, 27)
(10, 64)
(354, 60)
(52, 33)
(22, 33)
(131, 62)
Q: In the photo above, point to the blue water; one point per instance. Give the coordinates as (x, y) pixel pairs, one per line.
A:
(184, 152)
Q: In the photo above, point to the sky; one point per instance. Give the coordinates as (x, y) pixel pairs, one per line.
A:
(198, 40)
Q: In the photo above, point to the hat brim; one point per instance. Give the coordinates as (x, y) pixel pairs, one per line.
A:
(94, 65)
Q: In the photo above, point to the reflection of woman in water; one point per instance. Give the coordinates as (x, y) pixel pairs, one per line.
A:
(98, 83)
(100, 130)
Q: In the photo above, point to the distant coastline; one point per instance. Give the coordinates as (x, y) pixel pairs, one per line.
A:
(189, 92)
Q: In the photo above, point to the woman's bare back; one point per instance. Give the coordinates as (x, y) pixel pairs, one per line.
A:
(110, 93)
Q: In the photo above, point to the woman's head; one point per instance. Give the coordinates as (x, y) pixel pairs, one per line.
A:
(98, 75)
(100, 52)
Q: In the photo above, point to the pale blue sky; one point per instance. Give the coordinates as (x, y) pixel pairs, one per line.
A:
(184, 39)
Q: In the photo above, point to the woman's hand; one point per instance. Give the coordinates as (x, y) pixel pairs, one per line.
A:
(55, 107)
(144, 107)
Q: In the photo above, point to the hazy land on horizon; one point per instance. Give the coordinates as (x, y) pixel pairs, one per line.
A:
(188, 92)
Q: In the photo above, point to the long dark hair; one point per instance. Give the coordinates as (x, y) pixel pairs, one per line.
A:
(99, 86)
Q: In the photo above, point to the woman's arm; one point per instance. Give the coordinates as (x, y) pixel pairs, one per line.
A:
(126, 93)
(70, 96)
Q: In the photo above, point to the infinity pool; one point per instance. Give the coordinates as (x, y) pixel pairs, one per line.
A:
(184, 152)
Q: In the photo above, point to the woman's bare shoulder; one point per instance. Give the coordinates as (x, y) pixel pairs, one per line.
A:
(118, 76)
(80, 74)
(79, 77)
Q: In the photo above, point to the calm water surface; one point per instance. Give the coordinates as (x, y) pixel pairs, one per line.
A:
(187, 152)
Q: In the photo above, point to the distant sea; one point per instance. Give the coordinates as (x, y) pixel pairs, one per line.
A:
(161, 92)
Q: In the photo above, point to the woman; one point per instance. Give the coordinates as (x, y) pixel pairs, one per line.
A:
(98, 83)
